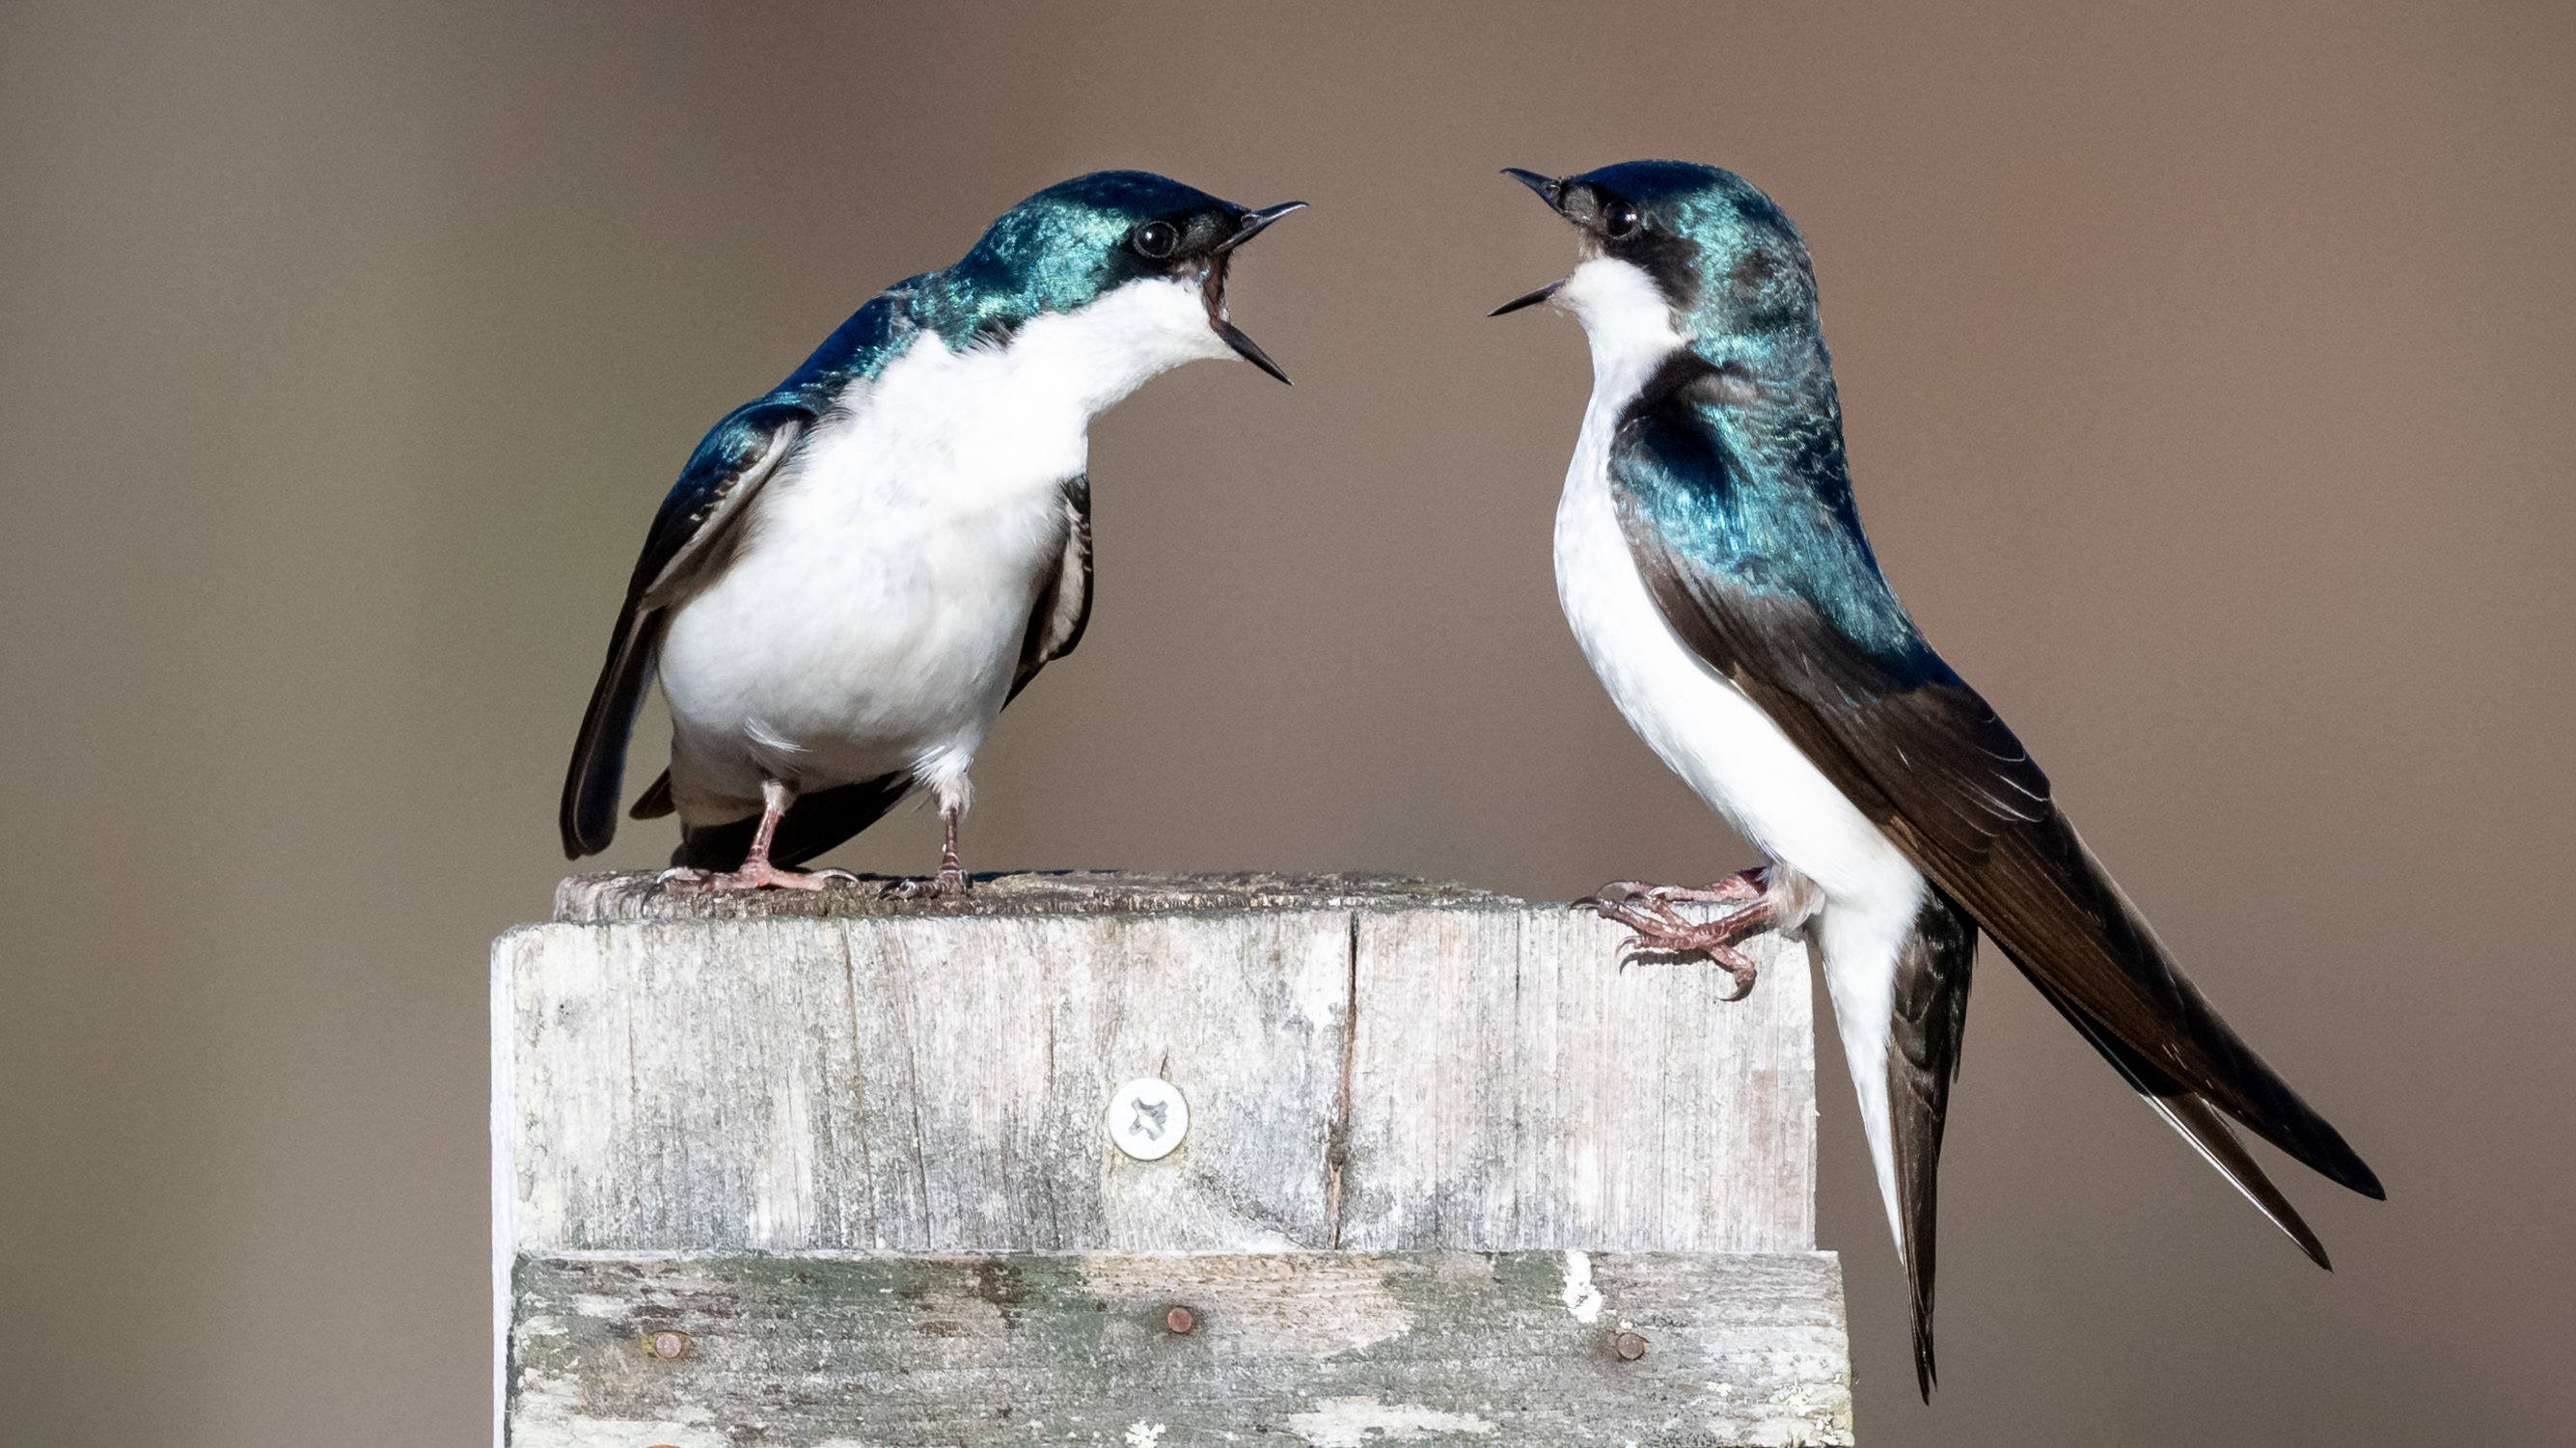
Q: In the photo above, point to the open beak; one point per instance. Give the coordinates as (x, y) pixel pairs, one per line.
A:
(1548, 189)
(1528, 299)
(1253, 224)
(1256, 222)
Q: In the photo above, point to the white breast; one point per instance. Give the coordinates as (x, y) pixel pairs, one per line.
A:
(1697, 722)
(873, 618)
(1705, 729)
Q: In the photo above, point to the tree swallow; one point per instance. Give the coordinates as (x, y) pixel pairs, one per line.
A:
(1710, 560)
(859, 569)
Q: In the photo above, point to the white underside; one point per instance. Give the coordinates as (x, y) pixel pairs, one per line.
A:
(873, 619)
(1705, 729)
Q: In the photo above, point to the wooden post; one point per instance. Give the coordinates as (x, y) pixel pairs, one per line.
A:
(833, 1170)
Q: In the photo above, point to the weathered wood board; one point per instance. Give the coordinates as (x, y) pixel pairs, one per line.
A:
(1512, 1088)
(761, 1110)
(1407, 1068)
(1332, 1349)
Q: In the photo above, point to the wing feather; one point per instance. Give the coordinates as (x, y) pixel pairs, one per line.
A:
(1922, 754)
(1063, 607)
(696, 531)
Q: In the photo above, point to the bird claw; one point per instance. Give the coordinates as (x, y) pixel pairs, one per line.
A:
(753, 877)
(1661, 930)
(1741, 887)
(949, 884)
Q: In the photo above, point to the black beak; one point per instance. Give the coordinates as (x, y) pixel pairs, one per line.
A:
(1256, 222)
(1531, 300)
(1548, 189)
(1249, 350)
(1253, 224)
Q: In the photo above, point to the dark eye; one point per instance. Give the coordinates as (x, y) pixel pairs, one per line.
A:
(1156, 239)
(1619, 218)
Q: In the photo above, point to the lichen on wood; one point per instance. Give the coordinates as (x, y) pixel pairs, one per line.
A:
(1323, 1348)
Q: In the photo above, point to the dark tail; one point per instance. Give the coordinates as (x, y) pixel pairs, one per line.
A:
(1931, 1021)
(814, 823)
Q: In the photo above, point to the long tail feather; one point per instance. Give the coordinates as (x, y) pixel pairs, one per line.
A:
(2200, 1123)
(1929, 1024)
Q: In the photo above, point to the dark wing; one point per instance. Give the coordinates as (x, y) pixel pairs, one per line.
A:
(692, 537)
(1918, 751)
(1063, 607)
(1931, 1020)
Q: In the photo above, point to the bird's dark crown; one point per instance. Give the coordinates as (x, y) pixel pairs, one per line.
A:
(1728, 260)
(1075, 242)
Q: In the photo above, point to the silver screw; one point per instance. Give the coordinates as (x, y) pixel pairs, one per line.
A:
(1147, 1118)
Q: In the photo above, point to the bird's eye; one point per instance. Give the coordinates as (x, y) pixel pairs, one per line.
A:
(1619, 218)
(1156, 239)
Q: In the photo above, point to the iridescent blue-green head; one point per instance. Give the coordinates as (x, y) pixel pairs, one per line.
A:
(1080, 243)
(1675, 254)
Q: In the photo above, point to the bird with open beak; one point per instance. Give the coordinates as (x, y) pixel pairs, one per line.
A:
(1710, 559)
(857, 570)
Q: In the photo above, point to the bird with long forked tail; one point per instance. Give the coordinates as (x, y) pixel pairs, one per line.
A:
(857, 570)
(1710, 560)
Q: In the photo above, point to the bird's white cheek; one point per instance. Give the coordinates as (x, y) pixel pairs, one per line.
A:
(1094, 356)
(1627, 319)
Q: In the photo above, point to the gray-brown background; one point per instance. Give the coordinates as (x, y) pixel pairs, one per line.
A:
(2208, 376)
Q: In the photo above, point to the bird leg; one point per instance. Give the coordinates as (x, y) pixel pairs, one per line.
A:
(951, 881)
(756, 872)
(1661, 930)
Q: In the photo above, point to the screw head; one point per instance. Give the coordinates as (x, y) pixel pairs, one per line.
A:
(1147, 1118)
(1629, 1346)
(668, 1346)
(1180, 1319)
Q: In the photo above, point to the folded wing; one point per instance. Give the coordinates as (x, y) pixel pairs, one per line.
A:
(692, 537)
(1833, 660)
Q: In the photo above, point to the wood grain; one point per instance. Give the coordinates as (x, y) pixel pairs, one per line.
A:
(1328, 1349)
(1442, 1146)
(924, 1085)
(1514, 1088)
(1405, 1070)
(640, 895)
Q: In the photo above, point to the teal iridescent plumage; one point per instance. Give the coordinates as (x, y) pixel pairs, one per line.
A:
(1055, 254)
(1057, 251)
(1737, 456)
(1738, 607)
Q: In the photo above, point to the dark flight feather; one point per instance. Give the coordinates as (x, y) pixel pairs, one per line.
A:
(1814, 636)
(693, 536)
(1063, 607)
(655, 802)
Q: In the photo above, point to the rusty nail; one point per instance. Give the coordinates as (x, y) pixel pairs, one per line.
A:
(1629, 1346)
(1180, 1319)
(670, 1346)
